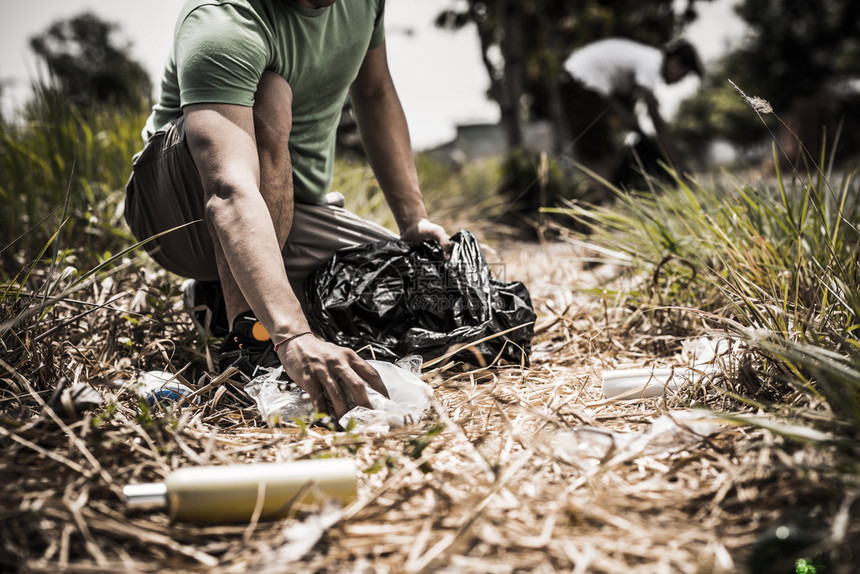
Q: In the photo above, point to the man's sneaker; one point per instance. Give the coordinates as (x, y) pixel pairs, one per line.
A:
(248, 347)
(204, 301)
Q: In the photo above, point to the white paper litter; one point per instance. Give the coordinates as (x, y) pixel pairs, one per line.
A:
(298, 540)
(409, 398)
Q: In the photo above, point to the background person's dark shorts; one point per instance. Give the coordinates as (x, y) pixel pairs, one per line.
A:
(589, 121)
(165, 191)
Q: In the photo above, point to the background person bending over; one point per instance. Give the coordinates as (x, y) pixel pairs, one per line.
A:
(601, 84)
(243, 138)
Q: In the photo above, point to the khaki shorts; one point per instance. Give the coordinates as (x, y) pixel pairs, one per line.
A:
(165, 191)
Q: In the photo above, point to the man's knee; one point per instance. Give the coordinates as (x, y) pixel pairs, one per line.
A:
(273, 116)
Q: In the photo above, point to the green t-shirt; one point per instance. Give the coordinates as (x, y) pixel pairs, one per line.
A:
(222, 47)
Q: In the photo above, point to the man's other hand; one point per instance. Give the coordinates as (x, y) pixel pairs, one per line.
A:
(326, 370)
(425, 229)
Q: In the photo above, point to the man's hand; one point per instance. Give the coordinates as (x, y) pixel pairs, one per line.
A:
(425, 229)
(326, 370)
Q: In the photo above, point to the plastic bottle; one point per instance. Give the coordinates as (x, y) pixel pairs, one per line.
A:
(225, 494)
(160, 388)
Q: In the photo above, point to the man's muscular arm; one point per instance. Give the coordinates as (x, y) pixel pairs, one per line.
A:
(664, 135)
(385, 136)
(222, 142)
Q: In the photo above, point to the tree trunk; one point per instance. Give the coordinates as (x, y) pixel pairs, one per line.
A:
(562, 141)
(485, 36)
(809, 130)
(511, 24)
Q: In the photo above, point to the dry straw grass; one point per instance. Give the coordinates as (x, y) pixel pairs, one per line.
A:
(495, 491)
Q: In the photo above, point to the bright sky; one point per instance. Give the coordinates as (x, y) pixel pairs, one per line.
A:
(439, 74)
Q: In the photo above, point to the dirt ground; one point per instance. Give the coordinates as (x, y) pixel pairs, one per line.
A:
(520, 469)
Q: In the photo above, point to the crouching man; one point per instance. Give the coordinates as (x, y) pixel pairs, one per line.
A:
(240, 150)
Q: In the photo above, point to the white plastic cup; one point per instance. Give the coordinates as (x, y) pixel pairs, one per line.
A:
(641, 383)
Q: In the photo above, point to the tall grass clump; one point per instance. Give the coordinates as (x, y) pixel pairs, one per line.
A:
(64, 168)
(774, 262)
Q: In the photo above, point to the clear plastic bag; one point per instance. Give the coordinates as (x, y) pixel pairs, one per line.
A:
(281, 401)
(589, 447)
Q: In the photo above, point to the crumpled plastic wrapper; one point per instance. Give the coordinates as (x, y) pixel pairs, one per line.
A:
(589, 447)
(280, 401)
(162, 389)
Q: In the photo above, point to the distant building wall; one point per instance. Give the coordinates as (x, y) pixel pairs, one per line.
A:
(480, 141)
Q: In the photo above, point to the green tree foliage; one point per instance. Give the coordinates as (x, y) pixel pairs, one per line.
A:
(87, 66)
(794, 49)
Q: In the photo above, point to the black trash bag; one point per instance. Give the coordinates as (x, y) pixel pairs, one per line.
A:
(403, 299)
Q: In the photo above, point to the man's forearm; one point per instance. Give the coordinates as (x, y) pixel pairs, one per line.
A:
(242, 224)
(385, 136)
(221, 142)
(664, 135)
